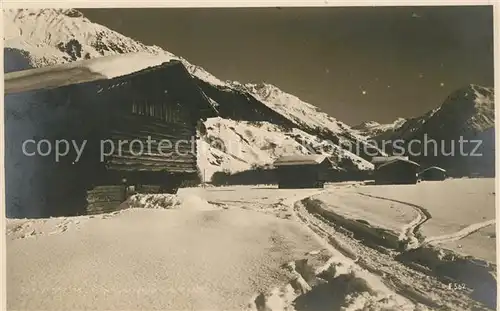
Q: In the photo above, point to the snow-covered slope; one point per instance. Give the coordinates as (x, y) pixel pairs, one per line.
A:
(373, 128)
(38, 38)
(54, 36)
(295, 109)
(235, 146)
(306, 116)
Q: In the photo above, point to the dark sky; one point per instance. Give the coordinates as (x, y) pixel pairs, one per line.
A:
(357, 64)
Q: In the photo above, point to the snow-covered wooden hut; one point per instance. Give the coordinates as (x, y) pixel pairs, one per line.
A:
(377, 161)
(302, 171)
(397, 171)
(433, 173)
(117, 121)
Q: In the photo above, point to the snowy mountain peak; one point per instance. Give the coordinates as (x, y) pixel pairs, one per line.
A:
(373, 128)
(272, 92)
(484, 96)
(295, 109)
(399, 121)
(480, 95)
(366, 125)
(468, 109)
(54, 36)
(473, 105)
(66, 34)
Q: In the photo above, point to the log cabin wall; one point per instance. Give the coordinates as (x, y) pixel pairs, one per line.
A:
(152, 122)
(158, 109)
(299, 176)
(397, 172)
(304, 175)
(41, 185)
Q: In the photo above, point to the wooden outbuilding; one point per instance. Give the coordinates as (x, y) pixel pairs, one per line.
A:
(302, 171)
(78, 135)
(397, 171)
(433, 173)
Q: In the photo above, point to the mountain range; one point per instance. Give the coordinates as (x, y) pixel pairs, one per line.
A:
(373, 128)
(468, 114)
(265, 121)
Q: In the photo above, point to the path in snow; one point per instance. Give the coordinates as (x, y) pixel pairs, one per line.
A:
(400, 274)
(416, 226)
(410, 234)
(415, 282)
(457, 208)
(467, 231)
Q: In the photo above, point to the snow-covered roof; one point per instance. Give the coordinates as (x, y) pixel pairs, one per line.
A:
(378, 160)
(100, 68)
(300, 160)
(397, 160)
(434, 168)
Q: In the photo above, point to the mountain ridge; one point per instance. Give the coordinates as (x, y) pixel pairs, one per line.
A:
(373, 128)
(477, 101)
(466, 114)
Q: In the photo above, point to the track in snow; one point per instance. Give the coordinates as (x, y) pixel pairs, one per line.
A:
(428, 274)
(403, 273)
(415, 282)
(411, 233)
(465, 232)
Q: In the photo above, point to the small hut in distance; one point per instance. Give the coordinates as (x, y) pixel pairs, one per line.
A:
(378, 161)
(433, 173)
(398, 170)
(302, 171)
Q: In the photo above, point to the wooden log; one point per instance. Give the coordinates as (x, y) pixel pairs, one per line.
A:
(106, 198)
(103, 207)
(148, 189)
